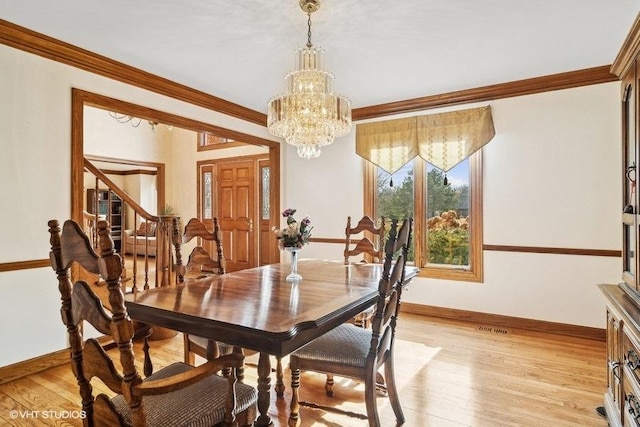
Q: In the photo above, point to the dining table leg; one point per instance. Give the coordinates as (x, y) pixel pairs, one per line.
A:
(279, 387)
(264, 391)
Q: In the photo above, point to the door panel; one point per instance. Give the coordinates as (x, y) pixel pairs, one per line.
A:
(205, 195)
(205, 203)
(236, 210)
(266, 249)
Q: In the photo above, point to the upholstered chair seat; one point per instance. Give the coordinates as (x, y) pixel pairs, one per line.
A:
(341, 350)
(205, 409)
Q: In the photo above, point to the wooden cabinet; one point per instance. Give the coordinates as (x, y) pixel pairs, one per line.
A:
(629, 207)
(108, 206)
(627, 68)
(622, 398)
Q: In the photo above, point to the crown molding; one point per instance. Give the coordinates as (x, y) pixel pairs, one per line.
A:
(39, 44)
(567, 80)
(629, 50)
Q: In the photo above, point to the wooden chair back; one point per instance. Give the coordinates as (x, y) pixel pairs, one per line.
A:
(364, 245)
(83, 262)
(200, 264)
(200, 261)
(80, 303)
(390, 291)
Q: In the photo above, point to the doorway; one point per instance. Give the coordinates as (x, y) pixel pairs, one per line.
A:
(81, 98)
(234, 191)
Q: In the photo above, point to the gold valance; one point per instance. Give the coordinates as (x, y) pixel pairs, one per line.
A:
(443, 139)
(389, 144)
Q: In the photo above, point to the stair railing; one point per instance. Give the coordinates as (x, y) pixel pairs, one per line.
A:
(162, 234)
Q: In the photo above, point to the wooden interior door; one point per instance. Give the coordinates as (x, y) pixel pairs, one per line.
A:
(236, 211)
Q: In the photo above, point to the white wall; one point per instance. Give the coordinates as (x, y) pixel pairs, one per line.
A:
(551, 179)
(35, 135)
(90, 182)
(148, 193)
(105, 136)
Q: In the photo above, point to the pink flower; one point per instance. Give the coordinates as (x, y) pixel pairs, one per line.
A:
(288, 212)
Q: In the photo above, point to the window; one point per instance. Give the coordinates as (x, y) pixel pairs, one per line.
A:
(447, 234)
(265, 193)
(207, 194)
(208, 141)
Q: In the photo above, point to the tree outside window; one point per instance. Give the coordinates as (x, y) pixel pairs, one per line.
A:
(447, 213)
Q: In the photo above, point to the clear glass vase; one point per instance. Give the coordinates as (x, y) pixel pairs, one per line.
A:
(294, 276)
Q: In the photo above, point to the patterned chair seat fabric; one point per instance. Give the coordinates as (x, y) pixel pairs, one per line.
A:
(346, 345)
(167, 409)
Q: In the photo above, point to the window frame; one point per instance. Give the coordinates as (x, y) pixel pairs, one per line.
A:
(475, 272)
(203, 144)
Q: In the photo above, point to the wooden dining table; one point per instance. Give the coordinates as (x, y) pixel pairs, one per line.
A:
(258, 309)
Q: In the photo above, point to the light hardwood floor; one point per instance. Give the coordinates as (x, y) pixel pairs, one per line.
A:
(450, 374)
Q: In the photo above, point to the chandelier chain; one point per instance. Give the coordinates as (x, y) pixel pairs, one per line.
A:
(309, 30)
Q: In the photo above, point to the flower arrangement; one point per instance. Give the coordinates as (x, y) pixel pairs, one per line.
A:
(295, 235)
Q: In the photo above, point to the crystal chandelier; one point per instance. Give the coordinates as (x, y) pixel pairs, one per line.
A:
(309, 115)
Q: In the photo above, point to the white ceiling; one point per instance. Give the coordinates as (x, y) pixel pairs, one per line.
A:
(380, 51)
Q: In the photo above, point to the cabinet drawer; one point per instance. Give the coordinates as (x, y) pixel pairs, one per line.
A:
(631, 407)
(631, 356)
(631, 378)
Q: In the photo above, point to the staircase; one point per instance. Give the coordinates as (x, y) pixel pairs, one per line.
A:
(152, 268)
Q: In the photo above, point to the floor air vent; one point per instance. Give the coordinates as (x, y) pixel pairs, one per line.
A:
(494, 330)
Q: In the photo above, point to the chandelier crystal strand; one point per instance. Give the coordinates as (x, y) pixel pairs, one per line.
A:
(309, 115)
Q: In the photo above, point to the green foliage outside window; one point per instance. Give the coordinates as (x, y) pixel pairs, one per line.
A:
(447, 212)
(396, 201)
(449, 247)
(448, 229)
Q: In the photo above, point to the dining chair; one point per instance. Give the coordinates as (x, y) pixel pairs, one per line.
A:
(178, 394)
(356, 352)
(87, 270)
(141, 331)
(199, 265)
(200, 262)
(364, 246)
